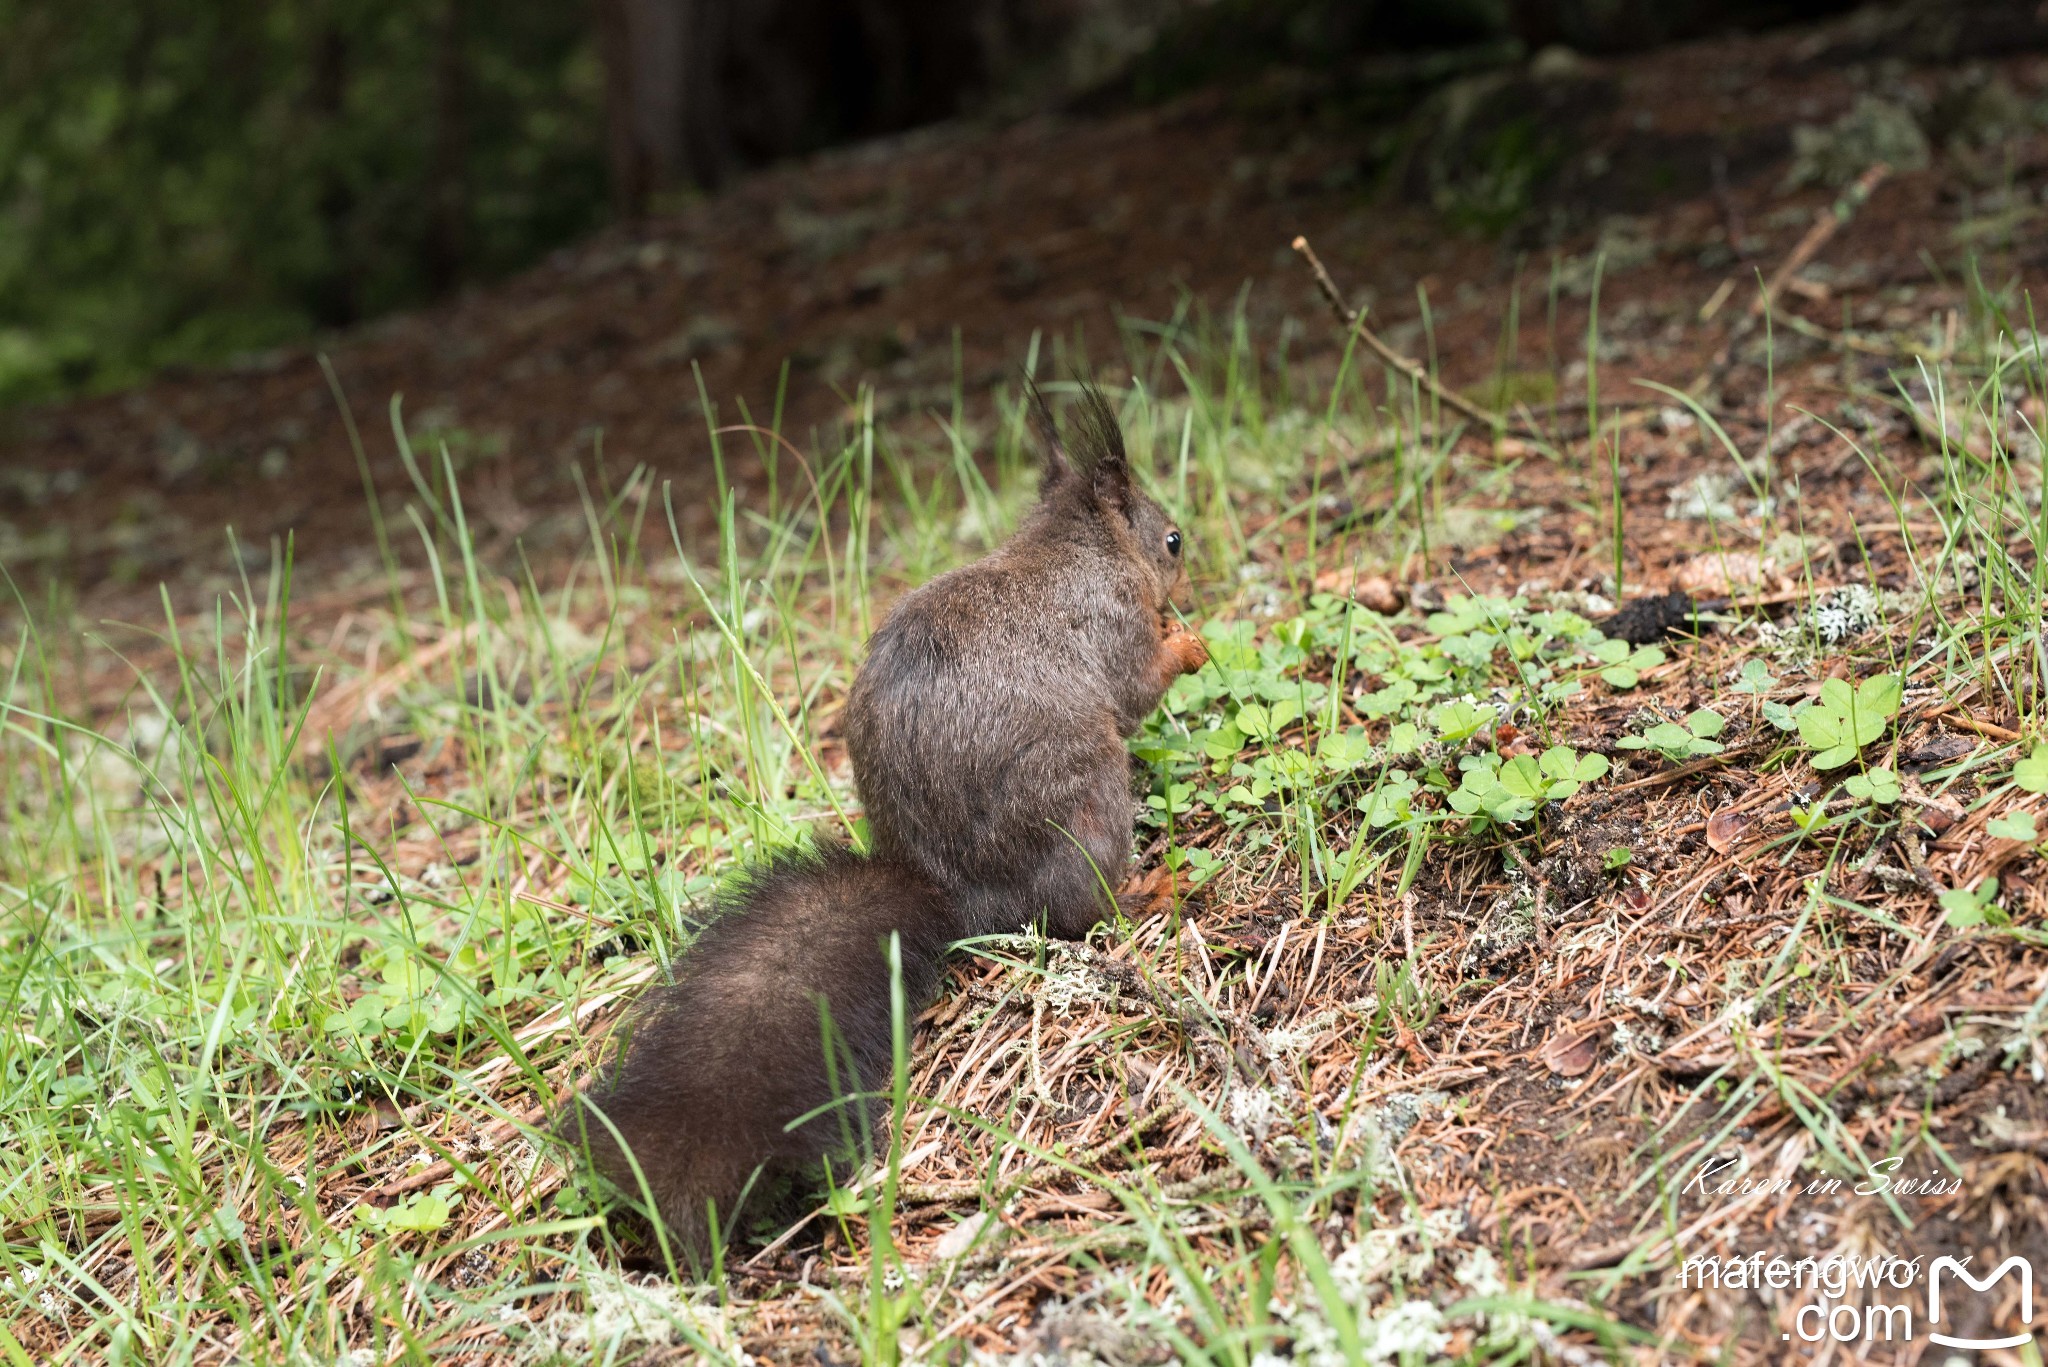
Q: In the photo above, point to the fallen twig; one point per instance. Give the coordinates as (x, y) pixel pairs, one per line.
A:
(1823, 230)
(1354, 319)
(495, 1134)
(945, 1193)
(1825, 226)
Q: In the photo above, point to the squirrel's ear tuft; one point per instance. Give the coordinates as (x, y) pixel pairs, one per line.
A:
(1053, 462)
(1101, 450)
(1097, 453)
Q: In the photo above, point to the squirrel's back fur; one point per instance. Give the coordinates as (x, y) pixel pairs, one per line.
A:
(720, 1061)
(987, 726)
(986, 731)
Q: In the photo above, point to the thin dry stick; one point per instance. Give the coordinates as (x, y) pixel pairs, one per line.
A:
(946, 1192)
(1824, 228)
(336, 710)
(494, 1134)
(1407, 365)
(1315, 963)
(1272, 967)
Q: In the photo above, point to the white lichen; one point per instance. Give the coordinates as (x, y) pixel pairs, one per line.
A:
(1252, 1111)
(1707, 497)
(1843, 613)
(623, 1313)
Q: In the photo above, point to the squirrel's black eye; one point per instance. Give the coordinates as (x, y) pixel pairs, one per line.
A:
(1173, 543)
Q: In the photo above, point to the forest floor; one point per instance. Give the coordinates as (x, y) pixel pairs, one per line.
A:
(1501, 964)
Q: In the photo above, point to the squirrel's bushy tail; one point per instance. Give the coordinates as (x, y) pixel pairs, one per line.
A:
(717, 1064)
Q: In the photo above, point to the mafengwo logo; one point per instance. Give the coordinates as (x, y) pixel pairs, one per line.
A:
(1981, 1285)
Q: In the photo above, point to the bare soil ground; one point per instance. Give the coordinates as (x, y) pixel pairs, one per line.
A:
(924, 266)
(1588, 1017)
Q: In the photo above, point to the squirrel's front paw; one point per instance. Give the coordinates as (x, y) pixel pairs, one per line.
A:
(1185, 649)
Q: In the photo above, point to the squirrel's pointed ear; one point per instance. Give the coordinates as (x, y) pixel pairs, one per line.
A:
(1102, 442)
(1054, 464)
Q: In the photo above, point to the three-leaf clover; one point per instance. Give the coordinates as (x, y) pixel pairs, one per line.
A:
(1346, 749)
(1678, 741)
(1625, 667)
(1756, 678)
(1878, 784)
(1480, 793)
(1177, 799)
(1806, 818)
(1511, 790)
(2013, 826)
(1263, 723)
(1219, 743)
(1965, 908)
(422, 1213)
(1842, 720)
(1384, 702)
(1193, 864)
(1404, 739)
(1456, 721)
(1390, 801)
(2031, 773)
(1552, 776)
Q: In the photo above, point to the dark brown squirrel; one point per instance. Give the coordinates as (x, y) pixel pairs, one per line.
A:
(986, 731)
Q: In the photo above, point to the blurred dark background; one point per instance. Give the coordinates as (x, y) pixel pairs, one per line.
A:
(185, 180)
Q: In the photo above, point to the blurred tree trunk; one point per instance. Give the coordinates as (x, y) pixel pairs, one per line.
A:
(641, 81)
(335, 297)
(665, 124)
(444, 252)
(697, 89)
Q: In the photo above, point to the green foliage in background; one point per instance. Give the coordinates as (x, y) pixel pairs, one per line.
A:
(184, 179)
